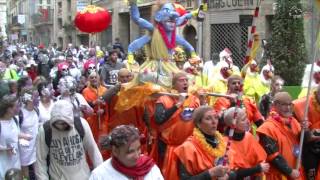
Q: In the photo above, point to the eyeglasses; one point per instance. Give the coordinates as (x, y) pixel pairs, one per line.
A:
(285, 104)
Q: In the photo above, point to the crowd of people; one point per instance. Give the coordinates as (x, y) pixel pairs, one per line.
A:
(58, 119)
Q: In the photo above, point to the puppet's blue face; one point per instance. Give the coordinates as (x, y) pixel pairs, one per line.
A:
(167, 16)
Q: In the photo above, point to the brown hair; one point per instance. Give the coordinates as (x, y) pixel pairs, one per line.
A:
(119, 136)
(199, 113)
(7, 102)
(176, 76)
(275, 78)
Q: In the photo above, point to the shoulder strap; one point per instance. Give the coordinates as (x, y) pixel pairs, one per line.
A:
(11, 74)
(20, 117)
(47, 133)
(77, 100)
(36, 109)
(79, 127)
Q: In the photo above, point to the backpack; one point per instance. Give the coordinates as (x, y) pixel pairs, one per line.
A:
(48, 133)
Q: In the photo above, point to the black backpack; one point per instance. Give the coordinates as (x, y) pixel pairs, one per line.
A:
(48, 133)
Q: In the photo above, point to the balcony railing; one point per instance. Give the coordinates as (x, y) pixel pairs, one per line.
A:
(44, 16)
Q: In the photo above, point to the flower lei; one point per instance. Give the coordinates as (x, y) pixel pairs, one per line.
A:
(278, 118)
(216, 152)
(172, 43)
(315, 103)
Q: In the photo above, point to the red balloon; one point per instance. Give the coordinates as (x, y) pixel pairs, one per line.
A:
(92, 19)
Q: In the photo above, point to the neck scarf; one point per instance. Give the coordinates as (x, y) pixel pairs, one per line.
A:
(172, 43)
(142, 168)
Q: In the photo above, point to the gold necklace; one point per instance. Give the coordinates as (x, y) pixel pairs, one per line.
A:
(315, 102)
(216, 152)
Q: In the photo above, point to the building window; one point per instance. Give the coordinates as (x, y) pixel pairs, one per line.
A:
(233, 36)
(69, 5)
(70, 39)
(189, 3)
(60, 23)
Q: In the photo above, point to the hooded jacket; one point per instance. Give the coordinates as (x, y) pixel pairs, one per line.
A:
(67, 151)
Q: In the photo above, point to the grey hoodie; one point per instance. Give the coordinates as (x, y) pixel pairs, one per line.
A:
(67, 152)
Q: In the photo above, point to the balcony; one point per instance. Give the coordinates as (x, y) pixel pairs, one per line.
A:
(43, 17)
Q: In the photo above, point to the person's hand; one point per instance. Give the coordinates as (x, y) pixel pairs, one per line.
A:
(117, 87)
(305, 124)
(25, 136)
(203, 97)
(265, 166)
(295, 174)
(11, 151)
(182, 97)
(218, 171)
(100, 112)
(100, 101)
(233, 97)
(86, 110)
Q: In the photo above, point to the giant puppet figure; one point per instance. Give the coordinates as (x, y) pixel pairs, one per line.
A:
(156, 73)
(160, 42)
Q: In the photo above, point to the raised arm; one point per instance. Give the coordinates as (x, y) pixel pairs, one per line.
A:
(180, 20)
(138, 43)
(135, 16)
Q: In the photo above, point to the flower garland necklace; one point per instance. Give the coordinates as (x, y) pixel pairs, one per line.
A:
(315, 103)
(216, 152)
(278, 118)
(172, 43)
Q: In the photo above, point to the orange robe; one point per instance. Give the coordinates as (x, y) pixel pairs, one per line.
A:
(175, 130)
(252, 111)
(153, 148)
(313, 114)
(286, 139)
(194, 156)
(133, 116)
(90, 94)
(246, 153)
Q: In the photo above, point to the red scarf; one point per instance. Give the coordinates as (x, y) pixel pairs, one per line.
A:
(142, 168)
(172, 43)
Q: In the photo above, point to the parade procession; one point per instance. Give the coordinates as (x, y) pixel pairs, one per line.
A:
(160, 90)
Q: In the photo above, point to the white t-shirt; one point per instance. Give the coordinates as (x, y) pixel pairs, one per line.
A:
(8, 138)
(30, 125)
(106, 171)
(44, 112)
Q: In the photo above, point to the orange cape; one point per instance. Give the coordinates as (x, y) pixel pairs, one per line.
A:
(286, 139)
(196, 155)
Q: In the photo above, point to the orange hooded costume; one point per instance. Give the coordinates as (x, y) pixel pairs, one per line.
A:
(175, 130)
(246, 153)
(287, 140)
(196, 155)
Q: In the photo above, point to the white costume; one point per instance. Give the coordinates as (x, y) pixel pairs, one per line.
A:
(29, 125)
(305, 80)
(8, 139)
(106, 171)
(67, 152)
